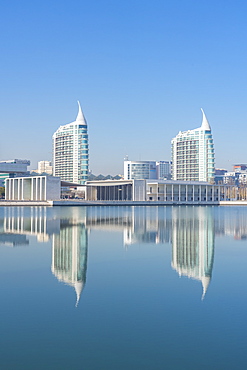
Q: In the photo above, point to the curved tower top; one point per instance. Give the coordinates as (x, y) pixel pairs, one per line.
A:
(205, 125)
(80, 117)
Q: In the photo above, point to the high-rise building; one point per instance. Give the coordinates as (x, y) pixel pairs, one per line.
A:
(70, 151)
(193, 154)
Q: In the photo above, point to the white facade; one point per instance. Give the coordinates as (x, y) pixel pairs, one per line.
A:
(70, 151)
(139, 170)
(193, 154)
(45, 167)
(179, 192)
(33, 188)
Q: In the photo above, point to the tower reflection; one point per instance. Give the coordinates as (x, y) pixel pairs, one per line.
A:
(193, 243)
(69, 255)
(189, 230)
(68, 235)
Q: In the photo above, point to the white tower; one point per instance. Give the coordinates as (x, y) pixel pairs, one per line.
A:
(70, 151)
(193, 154)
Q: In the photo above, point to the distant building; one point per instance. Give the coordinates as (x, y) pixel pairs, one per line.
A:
(193, 154)
(163, 170)
(239, 167)
(45, 167)
(14, 166)
(145, 170)
(70, 151)
(220, 171)
(139, 170)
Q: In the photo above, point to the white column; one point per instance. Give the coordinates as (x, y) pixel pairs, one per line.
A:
(13, 189)
(22, 189)
(18, 191)
(40, 188)
(36, 189)
(45, 188)
(32, 189)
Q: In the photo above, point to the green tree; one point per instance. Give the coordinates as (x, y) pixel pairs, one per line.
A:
(2, 191)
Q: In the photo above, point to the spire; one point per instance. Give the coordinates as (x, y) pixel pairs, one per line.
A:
(205, 125)
(80, 117)
(78, 289)
(205, 283)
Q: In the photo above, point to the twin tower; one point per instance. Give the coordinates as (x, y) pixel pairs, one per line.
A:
(192, 152)
(70, 151)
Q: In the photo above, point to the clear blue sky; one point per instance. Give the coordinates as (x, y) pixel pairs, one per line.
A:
(141, 70)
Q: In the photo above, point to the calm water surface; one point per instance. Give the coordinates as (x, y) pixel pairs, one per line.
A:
(123, 288)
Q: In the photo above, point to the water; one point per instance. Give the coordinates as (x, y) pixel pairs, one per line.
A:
(123, 288)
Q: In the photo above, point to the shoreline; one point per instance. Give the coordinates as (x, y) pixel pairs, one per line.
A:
(84, 203)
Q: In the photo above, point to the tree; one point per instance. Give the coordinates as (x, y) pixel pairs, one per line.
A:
(2, 192)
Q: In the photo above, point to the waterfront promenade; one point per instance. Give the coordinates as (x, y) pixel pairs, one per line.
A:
(76, 202)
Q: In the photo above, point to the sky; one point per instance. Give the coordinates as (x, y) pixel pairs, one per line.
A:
(140, 69)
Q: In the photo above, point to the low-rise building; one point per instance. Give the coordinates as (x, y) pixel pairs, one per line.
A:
(33, 188)
(158, 190)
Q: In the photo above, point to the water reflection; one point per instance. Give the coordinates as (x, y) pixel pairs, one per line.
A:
(189, 230)
(69, 255)
(193, 244)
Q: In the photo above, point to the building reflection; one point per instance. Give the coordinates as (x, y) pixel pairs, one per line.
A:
(68, 235)
(189, 230)
(69, 255)
(193, 243)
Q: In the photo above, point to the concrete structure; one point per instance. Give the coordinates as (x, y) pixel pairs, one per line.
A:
(33, 188)
(156, 190)
(193, 154)
(70, 151)
(14, 166)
